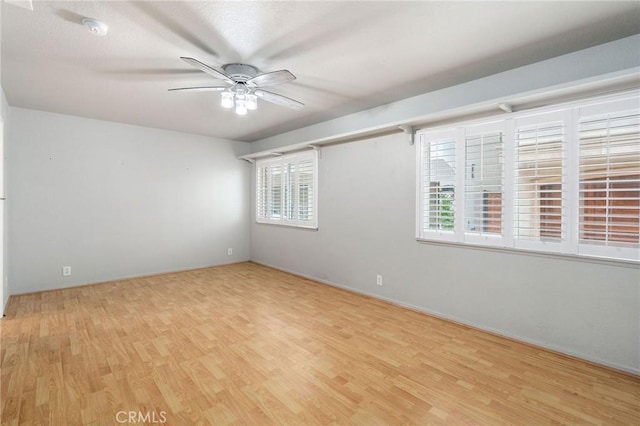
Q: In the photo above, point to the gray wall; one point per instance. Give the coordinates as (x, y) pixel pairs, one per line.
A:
(114, 200)
(367, 227)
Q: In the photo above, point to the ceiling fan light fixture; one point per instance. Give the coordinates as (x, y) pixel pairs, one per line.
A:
(226, 99)
(251, 101)
(240, 99)
(241, 109)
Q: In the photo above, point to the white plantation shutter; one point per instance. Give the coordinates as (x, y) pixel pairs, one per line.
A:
(609, 179)
(438, 174)
(483, 183)
(306, 191)
(289, 185)
(274, 201)
(261, 192)
(286, 190)
(539, 181)
(560, 179)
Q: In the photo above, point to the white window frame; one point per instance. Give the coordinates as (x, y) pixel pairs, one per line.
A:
(265, 198)
(439, 136)
(471, 237)
(568, 245)
(568, 186)
(595, 249)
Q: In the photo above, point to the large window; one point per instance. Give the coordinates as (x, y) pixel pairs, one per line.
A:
(286, 190)
(563, 180)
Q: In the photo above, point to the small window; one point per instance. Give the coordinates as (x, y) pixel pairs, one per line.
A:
(286, 190)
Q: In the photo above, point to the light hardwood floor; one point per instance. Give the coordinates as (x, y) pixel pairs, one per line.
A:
(245, 344)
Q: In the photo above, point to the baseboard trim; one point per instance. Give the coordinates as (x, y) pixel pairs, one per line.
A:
(128, 278)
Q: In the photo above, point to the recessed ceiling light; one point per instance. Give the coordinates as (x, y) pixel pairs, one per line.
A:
(95, 27)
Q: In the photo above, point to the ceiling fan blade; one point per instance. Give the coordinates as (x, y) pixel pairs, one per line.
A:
(279, 99)
(25, 4)
(271, 78)
(206, 68)
(200, 89)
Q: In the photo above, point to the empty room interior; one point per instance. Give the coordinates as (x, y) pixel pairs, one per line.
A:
(320, 212)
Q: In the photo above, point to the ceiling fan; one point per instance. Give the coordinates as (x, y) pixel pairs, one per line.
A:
(244, 86)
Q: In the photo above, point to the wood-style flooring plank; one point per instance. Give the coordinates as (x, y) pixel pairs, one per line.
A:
(245, 344)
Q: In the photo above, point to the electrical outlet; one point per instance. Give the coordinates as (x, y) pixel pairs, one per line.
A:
(379, 280)
(66, 271)
(229, 251)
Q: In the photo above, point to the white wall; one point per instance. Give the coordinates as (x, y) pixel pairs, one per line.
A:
(367, 227)
(114, 200)
(4, 113)
(4, 118)
(4, 124)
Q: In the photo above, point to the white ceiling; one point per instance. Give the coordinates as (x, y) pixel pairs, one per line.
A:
(348, 56)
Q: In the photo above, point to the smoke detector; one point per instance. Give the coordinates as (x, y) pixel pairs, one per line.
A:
(95, 27)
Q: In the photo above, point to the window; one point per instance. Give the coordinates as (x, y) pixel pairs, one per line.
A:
(483, 182)
(475, 212)
(438, 156)
(539, 180)
(563, 180)
(609, 179)
(286, 190)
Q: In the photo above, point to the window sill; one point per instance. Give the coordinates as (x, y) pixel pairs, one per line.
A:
(285, 225)
(562, 256)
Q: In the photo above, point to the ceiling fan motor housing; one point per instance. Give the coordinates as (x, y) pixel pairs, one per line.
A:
(240, 72)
